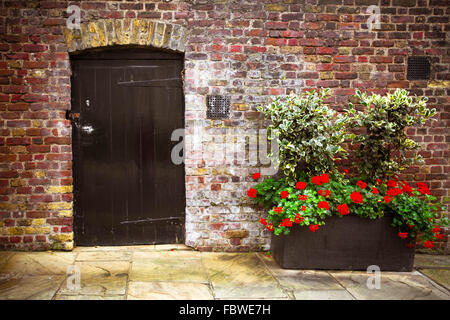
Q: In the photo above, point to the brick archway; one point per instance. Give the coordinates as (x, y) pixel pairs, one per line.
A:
(110, 32)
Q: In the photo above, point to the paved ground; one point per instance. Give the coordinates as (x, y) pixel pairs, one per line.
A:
(177, 272)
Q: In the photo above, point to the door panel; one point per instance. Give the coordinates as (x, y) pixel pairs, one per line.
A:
(127, 190)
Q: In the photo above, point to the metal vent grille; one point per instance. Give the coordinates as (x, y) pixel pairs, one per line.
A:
(418, 68)
(218, 107)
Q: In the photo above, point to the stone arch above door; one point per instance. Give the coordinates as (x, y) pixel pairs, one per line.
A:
(110, 32)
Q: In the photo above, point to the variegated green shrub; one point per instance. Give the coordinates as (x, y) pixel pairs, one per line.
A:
(384, 149)
(309, 133)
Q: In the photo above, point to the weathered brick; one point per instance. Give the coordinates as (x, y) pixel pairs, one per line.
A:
(236, 233)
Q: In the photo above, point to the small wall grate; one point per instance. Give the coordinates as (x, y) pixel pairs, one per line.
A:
(418, 68)
(218, 107)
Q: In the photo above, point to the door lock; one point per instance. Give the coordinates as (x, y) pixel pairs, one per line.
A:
(74, 117)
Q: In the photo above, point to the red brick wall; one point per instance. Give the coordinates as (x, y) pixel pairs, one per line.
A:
(247, 49)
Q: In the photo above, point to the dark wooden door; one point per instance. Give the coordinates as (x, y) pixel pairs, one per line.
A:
(125, 106)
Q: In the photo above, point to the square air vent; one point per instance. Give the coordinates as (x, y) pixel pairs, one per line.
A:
(217, 107)
(418, 68)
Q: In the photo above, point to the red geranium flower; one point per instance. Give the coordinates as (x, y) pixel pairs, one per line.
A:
(387, 199)
(378, 181)
(278, 209)
(423, 188)
(300, 185)
(316, 180)
(391, 184)
(436, 229)
(356, 197)
(263, 221)
(284, 194)
(256, 176)
(394, 192)
(303, 208)
(343, 209)
(286, 223)
(361, 184)
(403, 235)
(391, 192)
(375, 190)
(406, 188)
(428, 244)
(298, 218)
(324, 193)
(302, 197)
(313, 227)
(421, 185)
(269, 227)
(345, 171)
(439, 236)
(324, 178)
(252, 193)
(324, 205)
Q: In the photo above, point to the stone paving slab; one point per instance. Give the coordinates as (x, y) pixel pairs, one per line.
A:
(100, 278)
(154, 255)
(168, 291)
(393, 286)
(19, 287)
(432, 260)
(435, 267)
(104, 256)
(4, 257)
(178, 272)
(241, 275)
(302, 279)
(168, 269)
(88, 297)
(38, 263)
(323, 295)
(441, 276)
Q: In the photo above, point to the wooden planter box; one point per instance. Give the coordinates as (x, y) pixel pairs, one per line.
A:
(347, 243)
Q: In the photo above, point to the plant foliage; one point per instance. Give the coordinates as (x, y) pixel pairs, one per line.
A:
(384, 149)
(309, 133)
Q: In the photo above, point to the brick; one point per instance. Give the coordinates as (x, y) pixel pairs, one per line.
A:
(276, 25)
(325, 50)
(346, 75)
(343, 59)
(381, 59)
(57, 140)
(62, 237)
(236, 233)
(18, 141)
(59, 189)
(34, 48)
(404, 3)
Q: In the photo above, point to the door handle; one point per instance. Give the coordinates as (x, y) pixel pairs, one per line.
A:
(74, 117)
